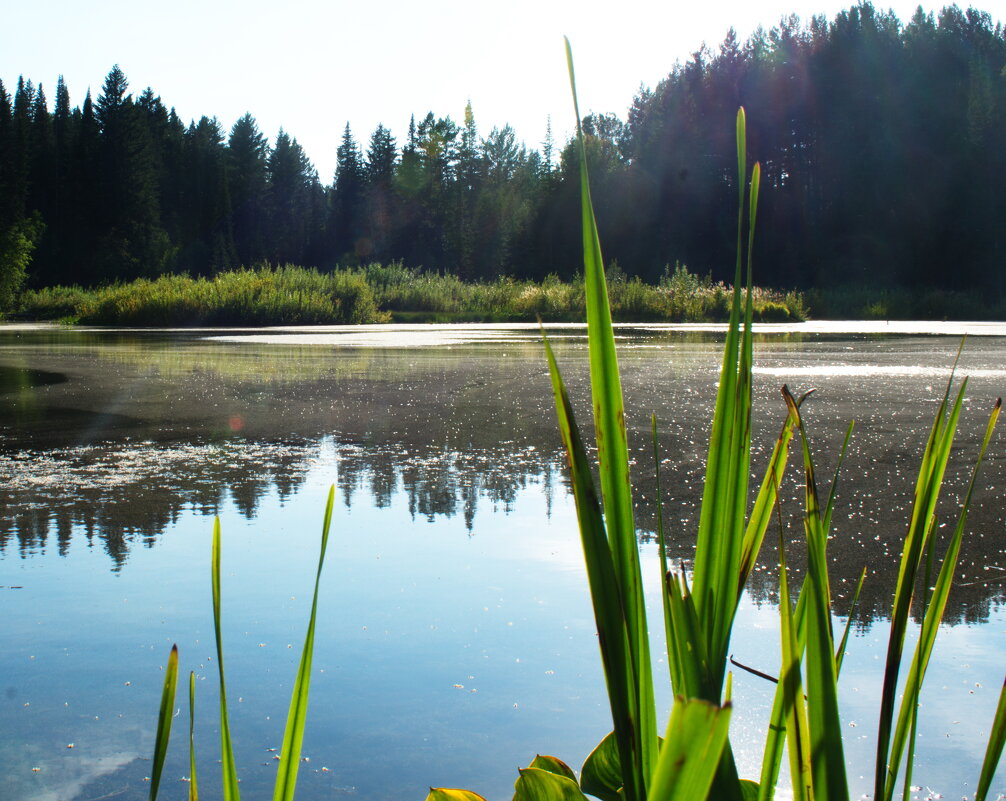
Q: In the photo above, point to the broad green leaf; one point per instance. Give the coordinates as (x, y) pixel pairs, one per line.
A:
(228, 770)
(293, 737)
(749, 790)
(537, 784)
(997, 739)
(690, 755)
(553, 765)
(601, 775)
(451, 794)
(164, 717)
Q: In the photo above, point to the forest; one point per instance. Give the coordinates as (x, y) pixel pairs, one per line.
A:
(881, 143)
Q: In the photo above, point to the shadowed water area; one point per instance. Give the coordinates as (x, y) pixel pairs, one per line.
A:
(455, 634)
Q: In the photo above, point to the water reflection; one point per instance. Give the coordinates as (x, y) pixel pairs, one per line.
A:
(115, 435)
(125, 495)
(456, 568)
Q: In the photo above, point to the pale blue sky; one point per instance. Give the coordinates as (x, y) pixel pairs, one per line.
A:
(312, 66)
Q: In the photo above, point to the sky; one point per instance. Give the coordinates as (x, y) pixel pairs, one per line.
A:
(311, 66)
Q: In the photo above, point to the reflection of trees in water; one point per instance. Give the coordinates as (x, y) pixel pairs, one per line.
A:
(449, 430)
(123, 496)
(447, 482)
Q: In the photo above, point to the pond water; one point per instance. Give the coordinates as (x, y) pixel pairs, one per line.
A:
(455, 637)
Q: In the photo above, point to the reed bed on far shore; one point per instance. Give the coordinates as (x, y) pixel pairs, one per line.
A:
(377, 293)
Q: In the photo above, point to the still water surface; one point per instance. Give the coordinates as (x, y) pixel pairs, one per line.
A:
(455, 635)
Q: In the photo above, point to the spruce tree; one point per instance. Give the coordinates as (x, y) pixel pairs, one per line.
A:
(346, 208)
(247, 166)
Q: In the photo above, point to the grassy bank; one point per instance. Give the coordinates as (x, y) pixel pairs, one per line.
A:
(384, 293)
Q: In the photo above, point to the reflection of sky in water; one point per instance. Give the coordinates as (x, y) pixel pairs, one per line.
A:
(451, 647)
(442, 657)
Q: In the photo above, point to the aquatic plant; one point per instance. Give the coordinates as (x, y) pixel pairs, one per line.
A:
(694, 759)
(293, 736)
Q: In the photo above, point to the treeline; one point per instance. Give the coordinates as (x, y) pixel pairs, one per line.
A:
(881, 143)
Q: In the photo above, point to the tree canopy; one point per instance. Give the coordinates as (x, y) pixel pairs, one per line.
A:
(881, 143)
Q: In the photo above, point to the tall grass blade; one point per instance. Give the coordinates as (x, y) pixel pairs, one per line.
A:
(840, 653)
(997, 739)
(665, 573)
(793, 709)
(293, 737)
(229, 777)
(609, 614)
(193, 783)
(768, 494)
(828, 763)
(931, 621)
(927, 490)
(164, 717)
(719, 545)
(613, 459)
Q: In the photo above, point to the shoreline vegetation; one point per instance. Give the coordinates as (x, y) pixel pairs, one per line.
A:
(377, 293)
(117, 187)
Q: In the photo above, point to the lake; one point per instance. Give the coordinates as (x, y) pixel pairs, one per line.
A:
(455, 636)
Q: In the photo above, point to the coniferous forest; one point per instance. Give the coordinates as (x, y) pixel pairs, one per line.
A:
(882, 146)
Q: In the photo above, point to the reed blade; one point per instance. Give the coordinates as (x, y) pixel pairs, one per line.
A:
(193, 783)
(293, 736)
(719, 545)
(665, 573)
(613, 463)
(828, 764)
(229, 777)
(927, 490)
(164, 717)
(793, 706)
(931, 622)
(609, 613)
(761, 513)
(997, 739)
(840, 653)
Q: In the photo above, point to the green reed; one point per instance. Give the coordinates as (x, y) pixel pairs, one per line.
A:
(694, 759)
(293, 736)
